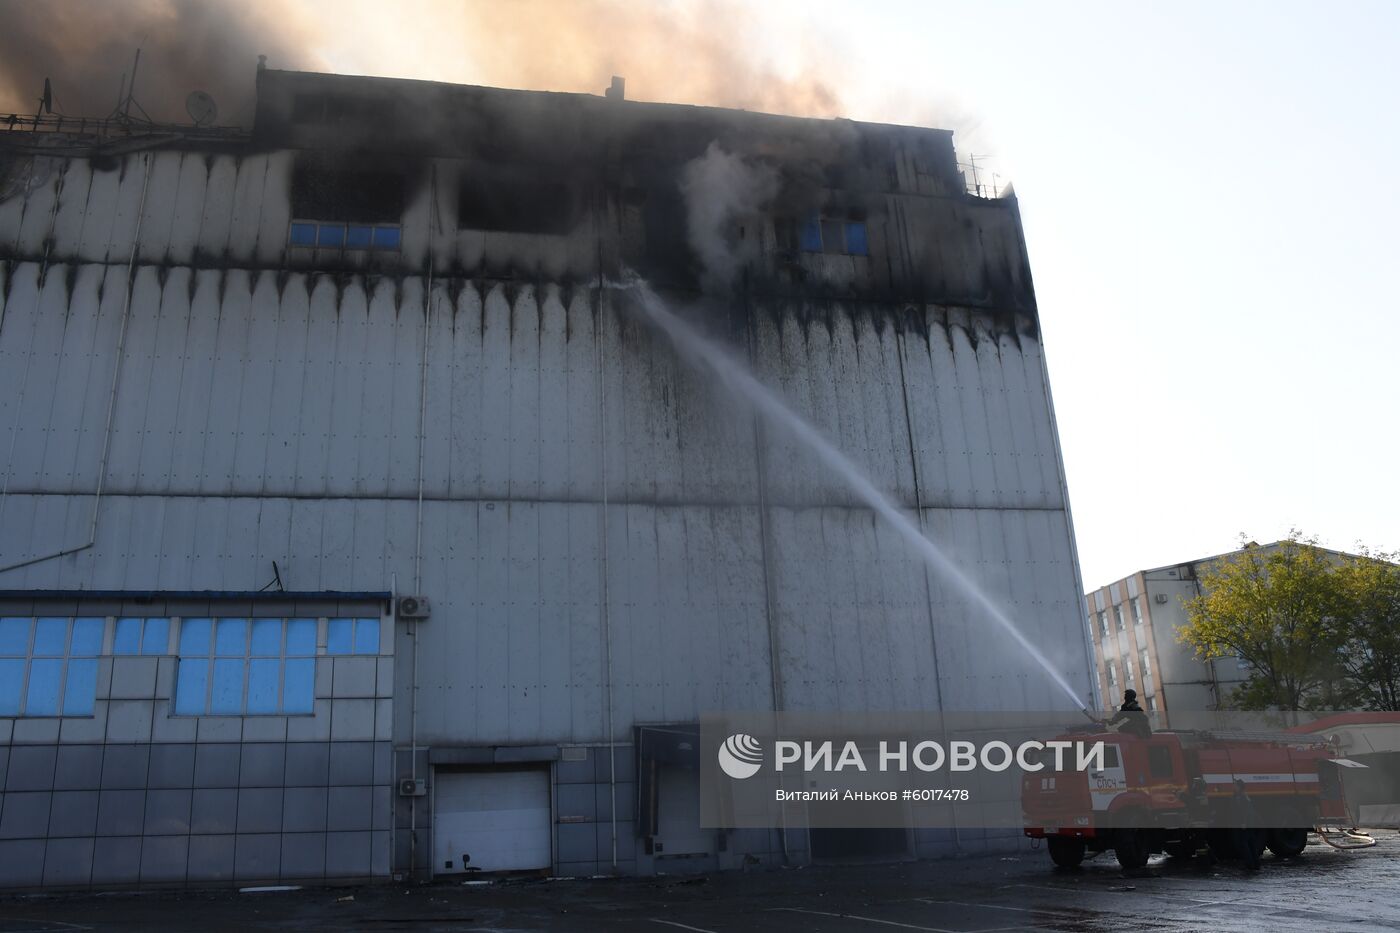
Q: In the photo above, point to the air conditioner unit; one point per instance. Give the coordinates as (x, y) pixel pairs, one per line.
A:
(410, 787)
(413, 607)
(1160, 598)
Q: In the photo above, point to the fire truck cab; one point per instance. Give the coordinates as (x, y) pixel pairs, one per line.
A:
(1174, 792)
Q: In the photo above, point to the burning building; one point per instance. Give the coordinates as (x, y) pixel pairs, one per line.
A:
(352, 527)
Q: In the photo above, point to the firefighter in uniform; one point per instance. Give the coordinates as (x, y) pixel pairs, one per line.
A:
(1246, 836)
(1130, 717)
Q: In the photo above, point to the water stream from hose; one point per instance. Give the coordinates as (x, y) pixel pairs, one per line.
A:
(704, 353)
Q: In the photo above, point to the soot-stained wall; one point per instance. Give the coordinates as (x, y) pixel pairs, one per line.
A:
(606, 539)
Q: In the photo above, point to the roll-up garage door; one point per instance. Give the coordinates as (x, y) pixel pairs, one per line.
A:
(491, 820)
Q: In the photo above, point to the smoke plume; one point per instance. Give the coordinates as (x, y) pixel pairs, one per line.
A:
(85, 46)
(716, 52)
(720, 188)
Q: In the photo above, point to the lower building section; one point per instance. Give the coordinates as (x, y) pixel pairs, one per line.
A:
(625, 809)
(163, 740)
(173, 814)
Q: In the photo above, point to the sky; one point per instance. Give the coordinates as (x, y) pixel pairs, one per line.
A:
(1208, 190)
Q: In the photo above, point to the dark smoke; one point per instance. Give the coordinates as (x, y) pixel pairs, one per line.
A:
(84, 46)
(702, 52)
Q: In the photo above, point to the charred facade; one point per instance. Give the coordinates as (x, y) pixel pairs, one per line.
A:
(255, 388)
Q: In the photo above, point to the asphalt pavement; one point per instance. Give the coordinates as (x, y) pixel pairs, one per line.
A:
(1324, 890)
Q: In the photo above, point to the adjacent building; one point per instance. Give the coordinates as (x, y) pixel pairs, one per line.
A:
(1135, 625)
(352, 528)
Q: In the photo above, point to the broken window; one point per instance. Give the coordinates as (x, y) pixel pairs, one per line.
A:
(346, 209)
(489, 201)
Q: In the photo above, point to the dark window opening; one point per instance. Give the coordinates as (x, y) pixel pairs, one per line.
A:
(346, 209)
(516, 206)
(348, 195)
(339, 109)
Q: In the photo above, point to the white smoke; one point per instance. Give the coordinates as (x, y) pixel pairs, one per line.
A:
(722, 189)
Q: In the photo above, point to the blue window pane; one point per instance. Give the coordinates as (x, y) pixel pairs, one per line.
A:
(231, 638)
(127, 638)
(190, 686)
(386, 237)
(366, 636)
(263, 677)
(267, 638)
(810, 236)
(80, 687)
(331, 235)
(303, 235)
(87, 638)
(357, 237)
(50, 637)
(856, 243)
(227, 695)
(194, 637)
(156, 639)
(11, 682)
(301, 637)
(297, 686)
(14, 636)
(340, 636)
(43, 688)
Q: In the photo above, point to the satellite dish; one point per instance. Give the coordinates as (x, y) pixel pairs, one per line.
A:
(201, 108)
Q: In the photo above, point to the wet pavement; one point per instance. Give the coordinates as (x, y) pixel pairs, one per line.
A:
(1324, 890)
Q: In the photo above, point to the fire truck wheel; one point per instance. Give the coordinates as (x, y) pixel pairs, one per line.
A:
(1288, 843)
(1065, 851)
(1130, 845)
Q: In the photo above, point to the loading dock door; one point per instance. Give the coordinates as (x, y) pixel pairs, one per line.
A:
(491, 821)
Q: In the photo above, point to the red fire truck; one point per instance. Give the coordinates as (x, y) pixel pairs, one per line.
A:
(1175, 792)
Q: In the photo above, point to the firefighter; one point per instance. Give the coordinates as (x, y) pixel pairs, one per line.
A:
(1245, 833)
(1130, 717)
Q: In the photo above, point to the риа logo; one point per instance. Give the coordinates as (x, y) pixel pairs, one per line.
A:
(740, 756)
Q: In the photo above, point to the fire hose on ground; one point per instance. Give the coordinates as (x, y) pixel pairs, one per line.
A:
(1356, 839)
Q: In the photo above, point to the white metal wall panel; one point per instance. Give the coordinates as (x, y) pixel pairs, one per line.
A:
(241, 387)
(158, 209)
(72, 208)
(273, 197)
(36, 219)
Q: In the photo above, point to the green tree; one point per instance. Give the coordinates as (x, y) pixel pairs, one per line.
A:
(1276, 608)
(1370, 628)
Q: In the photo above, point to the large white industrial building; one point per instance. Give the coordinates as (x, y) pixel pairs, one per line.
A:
(256, 388)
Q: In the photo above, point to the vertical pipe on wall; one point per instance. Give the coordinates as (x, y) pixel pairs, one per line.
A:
(116, 380)
(775, 677)
(418, 523)
(603, 546)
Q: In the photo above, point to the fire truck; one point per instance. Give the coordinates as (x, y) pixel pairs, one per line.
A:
(1176, 792)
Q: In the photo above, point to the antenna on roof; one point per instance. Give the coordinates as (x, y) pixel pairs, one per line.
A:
(125, 102)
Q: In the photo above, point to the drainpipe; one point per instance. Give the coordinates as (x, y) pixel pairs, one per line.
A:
(418, 530)
(112, 400)
(603, 545)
